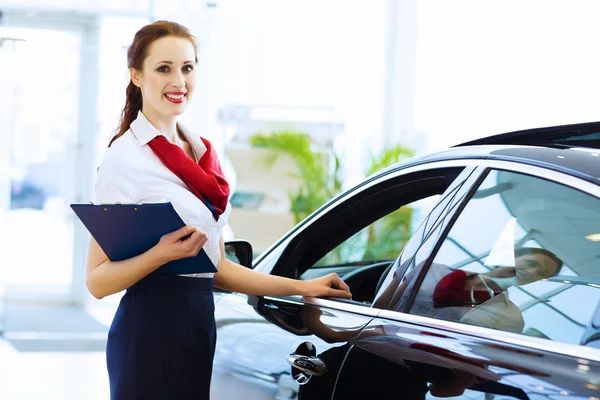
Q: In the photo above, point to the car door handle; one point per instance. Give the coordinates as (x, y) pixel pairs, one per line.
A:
(310, 365)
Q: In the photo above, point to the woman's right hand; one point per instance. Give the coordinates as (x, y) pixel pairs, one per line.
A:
(172, 247)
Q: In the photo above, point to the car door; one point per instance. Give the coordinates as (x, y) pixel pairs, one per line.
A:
(459, 325)
(250, 357)
(258, 337)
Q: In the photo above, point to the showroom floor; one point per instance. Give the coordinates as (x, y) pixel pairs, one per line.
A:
(33, 368)
(57, 371)
(52, 375)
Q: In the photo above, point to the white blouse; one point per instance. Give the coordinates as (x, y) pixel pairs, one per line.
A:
(131, 173)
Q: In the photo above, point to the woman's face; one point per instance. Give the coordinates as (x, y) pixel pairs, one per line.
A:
(528, 268)
(167, 77)
(533, 267)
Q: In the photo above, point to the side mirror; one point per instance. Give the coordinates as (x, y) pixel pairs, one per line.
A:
(239, 251)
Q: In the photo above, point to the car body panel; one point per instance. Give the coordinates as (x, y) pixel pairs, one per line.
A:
(453, 364)
(253, 341)
(581, 162)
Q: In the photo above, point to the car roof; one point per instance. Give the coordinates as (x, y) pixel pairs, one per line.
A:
(572, 149)
(574, 135)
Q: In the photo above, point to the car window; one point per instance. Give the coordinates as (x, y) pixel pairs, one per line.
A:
(362, 259)
(521, 257)
(326, 244)
(382, 239)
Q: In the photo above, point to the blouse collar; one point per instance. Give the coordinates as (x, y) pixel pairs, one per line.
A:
(144, 132)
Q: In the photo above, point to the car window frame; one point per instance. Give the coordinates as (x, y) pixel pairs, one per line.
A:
(428, 185)
(562, 178)
(425, 239)
(291, 257)
(266, 261)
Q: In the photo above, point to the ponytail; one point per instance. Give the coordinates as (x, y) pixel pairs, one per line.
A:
(133, 104)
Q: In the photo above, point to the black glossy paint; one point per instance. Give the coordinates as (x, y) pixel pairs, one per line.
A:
(584, 164)
(575, 135)
(416, 362)
(253, 341)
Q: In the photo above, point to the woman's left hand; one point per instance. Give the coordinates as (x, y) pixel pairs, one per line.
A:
(326, 286)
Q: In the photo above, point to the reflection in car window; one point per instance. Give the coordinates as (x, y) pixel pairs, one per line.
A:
(520, 258)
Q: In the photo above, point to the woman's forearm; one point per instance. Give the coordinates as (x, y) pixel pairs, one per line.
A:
(112, 277)
(236, 278)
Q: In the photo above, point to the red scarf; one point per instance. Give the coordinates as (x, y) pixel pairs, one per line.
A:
(450, 291)
(205, 179)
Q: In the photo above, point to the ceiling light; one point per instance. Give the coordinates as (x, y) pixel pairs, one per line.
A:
(594, 237)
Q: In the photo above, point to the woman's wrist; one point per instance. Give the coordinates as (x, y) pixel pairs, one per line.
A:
(159, 256)
(300, 287)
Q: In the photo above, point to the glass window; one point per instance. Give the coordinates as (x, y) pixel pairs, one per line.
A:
(38, 157)
(362, 259)
(520, 258)
(383, 239)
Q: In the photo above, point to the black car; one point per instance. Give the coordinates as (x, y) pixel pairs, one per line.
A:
(492, 293)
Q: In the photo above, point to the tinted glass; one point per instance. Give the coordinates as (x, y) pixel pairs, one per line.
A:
(521, 257)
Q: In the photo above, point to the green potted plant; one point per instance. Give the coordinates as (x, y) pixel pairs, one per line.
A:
(321, 181)
(318, 183)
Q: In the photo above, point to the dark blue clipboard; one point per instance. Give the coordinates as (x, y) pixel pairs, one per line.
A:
(128, 230)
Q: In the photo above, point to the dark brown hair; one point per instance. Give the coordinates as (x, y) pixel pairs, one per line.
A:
(136, 54)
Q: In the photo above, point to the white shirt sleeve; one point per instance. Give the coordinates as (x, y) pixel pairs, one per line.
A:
(113, 183)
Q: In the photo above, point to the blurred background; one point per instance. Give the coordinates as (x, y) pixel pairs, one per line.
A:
(302, 98)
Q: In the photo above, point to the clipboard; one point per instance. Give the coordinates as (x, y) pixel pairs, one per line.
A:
(128, 230)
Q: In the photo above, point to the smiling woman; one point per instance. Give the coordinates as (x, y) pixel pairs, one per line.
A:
(162, 338)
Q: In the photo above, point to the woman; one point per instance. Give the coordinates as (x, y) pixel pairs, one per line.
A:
(449, 294)
(464, 288)
(483, 299)
(161, 342)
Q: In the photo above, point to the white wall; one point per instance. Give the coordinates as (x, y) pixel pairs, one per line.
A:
(486, 67)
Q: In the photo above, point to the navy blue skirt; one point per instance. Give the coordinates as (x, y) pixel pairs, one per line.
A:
(161, 342)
